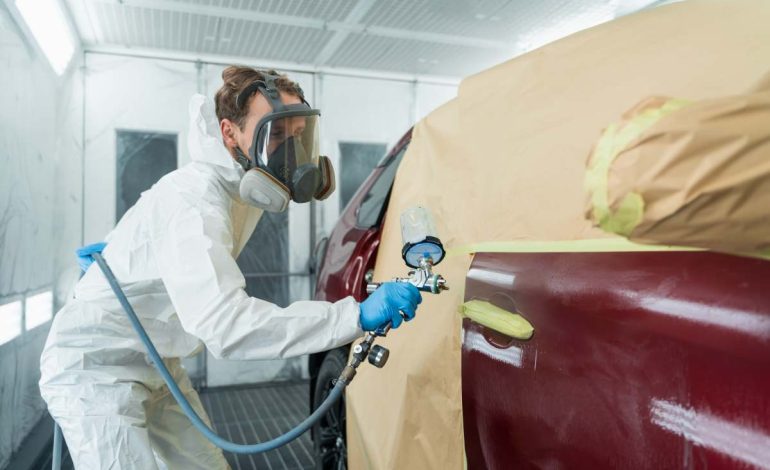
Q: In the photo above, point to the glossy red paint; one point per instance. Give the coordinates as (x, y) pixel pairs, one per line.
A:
(352, 250)
(638, 360)
(349, 249)
(349, 253)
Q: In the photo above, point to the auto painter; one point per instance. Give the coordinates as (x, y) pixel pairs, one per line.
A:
(174, 254)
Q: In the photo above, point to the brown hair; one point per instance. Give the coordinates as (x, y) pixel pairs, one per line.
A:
(236, 78)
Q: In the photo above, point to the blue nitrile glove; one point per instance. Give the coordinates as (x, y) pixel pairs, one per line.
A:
(384, 304)
(84, 254)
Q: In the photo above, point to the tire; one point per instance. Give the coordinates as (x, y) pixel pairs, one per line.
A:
(330, 443)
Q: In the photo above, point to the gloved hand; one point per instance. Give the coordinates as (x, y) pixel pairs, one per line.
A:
(385, 303)
(84, 254)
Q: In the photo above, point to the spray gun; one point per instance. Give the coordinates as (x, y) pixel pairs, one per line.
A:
(421, 251)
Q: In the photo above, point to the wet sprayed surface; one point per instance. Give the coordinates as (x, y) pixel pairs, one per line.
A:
(638, 360)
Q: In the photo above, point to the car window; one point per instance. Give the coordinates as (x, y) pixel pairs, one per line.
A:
(373, 203)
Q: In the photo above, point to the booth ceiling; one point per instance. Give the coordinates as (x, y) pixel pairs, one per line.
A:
(452, 38)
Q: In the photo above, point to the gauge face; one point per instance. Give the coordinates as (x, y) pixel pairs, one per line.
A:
(421, 250)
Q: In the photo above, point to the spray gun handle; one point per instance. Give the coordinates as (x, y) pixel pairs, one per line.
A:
(372, 286)
(435, 283)
(383, 330)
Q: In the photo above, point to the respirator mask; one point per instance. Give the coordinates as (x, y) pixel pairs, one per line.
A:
(283, 162)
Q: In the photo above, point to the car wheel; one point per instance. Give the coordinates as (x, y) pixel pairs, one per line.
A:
(329, 443)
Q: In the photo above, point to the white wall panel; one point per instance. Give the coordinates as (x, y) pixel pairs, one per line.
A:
(28, 132)
(360, 110)
(68, 216)
(430, 96)
(39, 213)
(129, 94)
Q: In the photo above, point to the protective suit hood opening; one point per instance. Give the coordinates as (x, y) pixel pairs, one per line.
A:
(204, 140)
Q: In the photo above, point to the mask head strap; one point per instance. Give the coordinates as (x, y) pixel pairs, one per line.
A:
(269, 89)
(243, 159)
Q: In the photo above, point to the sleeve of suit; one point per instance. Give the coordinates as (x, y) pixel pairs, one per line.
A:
(207, 289)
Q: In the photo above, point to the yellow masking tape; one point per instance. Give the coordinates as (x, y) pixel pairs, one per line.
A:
(629, 214)
(614, 140)
(494, 317)
(594, 245)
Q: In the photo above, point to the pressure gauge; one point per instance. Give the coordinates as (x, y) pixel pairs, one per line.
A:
(418, 232)
(430, 248)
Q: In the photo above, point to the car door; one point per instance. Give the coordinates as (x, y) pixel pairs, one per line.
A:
(638, 360)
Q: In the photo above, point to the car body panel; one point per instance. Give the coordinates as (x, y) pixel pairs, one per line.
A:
(638, 360)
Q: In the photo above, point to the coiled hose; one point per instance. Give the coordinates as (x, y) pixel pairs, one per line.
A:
(218, 441)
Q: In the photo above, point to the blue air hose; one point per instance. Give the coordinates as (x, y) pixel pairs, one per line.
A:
(56, 458)
(224, 444)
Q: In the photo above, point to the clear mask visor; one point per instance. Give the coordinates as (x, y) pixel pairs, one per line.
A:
(288, 143)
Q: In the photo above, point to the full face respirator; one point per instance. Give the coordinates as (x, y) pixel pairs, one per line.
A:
(283, 162)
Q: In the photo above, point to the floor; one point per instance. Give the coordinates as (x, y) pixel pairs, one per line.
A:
(255, 414)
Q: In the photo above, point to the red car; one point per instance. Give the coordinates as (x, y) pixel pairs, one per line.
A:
(622, 341)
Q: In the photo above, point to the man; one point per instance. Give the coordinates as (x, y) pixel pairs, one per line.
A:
(174, 255)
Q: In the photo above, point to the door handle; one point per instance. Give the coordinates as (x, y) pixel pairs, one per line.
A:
(508, 323)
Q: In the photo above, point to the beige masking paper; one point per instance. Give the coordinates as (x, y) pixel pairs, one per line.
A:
(505, 161)
(688, 173)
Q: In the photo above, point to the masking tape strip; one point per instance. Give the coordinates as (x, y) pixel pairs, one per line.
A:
(498, 319)
(616, 138)
(594, 245)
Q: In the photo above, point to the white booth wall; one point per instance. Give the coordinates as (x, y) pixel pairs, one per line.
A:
(40, 223)
(128, 94)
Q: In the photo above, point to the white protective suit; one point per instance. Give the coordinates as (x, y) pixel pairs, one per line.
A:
(174, 255)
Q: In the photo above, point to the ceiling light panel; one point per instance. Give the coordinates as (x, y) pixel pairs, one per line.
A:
(50, 28)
